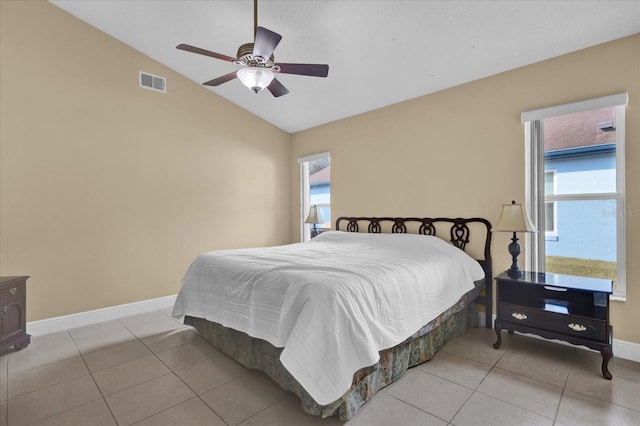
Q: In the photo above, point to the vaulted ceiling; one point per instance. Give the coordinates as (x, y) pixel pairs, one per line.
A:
(379, 52)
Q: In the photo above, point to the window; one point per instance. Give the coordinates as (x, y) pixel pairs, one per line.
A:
(550, 207)
(575, 189)
(315, 189)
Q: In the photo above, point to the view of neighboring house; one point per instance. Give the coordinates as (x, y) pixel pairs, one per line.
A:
(580, 159)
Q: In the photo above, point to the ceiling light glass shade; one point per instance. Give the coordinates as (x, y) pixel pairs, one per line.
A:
(255, 78)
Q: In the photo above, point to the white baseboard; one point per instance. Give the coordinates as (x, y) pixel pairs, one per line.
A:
(51, 325)
(621, 348)
(481, 317)
(626, 350)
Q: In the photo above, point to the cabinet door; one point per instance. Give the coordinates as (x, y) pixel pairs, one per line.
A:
(12, 319)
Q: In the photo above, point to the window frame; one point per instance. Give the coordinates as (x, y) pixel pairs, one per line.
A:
(535, 201)
(553, 233)
(305, 228)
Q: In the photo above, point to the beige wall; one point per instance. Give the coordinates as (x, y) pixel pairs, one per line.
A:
(108, 191)
(460, 152)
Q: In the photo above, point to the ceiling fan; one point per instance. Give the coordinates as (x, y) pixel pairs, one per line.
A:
(258, 64)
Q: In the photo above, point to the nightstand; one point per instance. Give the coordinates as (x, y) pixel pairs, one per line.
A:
(13, 325)
(565, 307)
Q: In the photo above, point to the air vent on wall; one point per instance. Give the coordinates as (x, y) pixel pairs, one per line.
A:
(153, 82)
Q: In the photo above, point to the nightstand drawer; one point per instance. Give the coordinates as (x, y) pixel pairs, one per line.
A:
(14, 293)
(566, 324)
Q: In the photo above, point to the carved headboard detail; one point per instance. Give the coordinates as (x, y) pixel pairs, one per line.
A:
(460, 232)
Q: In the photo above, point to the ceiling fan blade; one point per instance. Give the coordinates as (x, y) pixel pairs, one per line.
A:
(265, 42)
(315, 70)
(277, 89)
(222, 79)
(199, 51)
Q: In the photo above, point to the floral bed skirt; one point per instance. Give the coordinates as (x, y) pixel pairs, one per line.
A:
(422, 346)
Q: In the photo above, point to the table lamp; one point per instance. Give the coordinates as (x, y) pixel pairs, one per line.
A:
(314, 218)
(514, 219)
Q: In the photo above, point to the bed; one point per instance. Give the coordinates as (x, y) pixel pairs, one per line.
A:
(340, 317)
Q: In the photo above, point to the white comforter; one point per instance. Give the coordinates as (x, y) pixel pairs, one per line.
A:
(332, 302)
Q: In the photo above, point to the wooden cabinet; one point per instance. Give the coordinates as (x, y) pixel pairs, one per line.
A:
(13, 304)
(554, 306)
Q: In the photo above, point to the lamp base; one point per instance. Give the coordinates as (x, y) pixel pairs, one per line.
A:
(515, 273)
(314, 231)
(514, 250)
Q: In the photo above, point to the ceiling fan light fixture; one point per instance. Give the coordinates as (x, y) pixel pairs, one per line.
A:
(255, 78)
(258, 63)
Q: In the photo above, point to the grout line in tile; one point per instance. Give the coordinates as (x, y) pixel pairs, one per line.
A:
(461, 406)
(517, 406)
(187, 385)
(175, 405)
(555, 416)
(94, 379)
(564, 385)
(424, 411)
(493, 367)
(5, 370)
(474, 391)
(73, 408)
(604, 400)
(254, 414)
(50, 386)
(446, 379)
(607, 402)
(578, 391)
(526, 377)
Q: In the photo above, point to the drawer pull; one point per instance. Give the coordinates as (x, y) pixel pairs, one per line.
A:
(519, 316)
(577, 327)
(547, 287)
(13, 291)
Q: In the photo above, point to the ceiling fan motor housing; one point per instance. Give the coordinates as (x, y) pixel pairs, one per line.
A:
(245, 57)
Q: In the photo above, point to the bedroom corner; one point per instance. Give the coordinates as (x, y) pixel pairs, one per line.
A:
(108, 189)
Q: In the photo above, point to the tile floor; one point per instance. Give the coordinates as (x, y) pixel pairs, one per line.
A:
(150, 370)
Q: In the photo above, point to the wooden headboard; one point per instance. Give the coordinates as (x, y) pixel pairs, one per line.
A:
(472, 235)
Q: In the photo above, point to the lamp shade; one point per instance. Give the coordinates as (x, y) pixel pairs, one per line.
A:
(514, 218)
(314, 216)
(255, 78)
